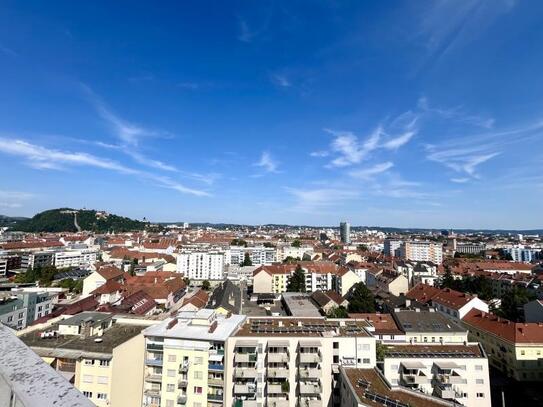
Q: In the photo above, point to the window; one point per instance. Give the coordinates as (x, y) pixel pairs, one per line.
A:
(89, 362)
(480, 395)
(21, 314)
(170, 387)
(336, 359)
(171, 373)
(478, 367)
(394, 367)
(198, 375)
(199, 360)
(522, 352)
(366, 360)
(87, 378)
(87, 394)
(104, 363)
(171, 358)
(197, 390)
(170, 403)
(10, 318)
(479, 381)
(101, 396)
(366, 346)
(102, 380)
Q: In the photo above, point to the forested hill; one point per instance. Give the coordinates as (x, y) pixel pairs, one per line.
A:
(62, 220)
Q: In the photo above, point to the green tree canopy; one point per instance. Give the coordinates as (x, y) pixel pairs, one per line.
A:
(247, 260)
(512, 303)
(296, 243)
(361, 299)
(206, 285)
(297, 281)
(238, 242)
(338, 312)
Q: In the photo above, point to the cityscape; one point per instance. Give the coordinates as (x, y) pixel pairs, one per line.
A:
(271, 204)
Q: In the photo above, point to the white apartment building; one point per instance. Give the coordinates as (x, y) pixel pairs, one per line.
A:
(76, 257)
(392, 247)
(3, 264)
(422, 251)
(457, 373)
(286, 250)
(201, 265)
(288, 362)
(185, 359)
(524, 255)
(260, 255)
(37, 259)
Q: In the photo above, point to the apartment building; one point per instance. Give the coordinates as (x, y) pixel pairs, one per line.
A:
(287, 362)
(524, 254)
(286, 250)
(392, 247)
(458, 373)
(319, 276)
(27, 381)
(84, 257)
(185, 359)
(201, 265)
(37, 304)
(259, 255)
(13, 312)
(514, 348)
(103, 359)
(3, 264)
(470, 248)
(37, 259)
(422, 251)
(428, 327)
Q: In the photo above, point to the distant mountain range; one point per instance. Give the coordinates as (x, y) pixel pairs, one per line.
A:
(73, 220)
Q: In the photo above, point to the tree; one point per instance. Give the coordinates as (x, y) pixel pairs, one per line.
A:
(206, 285)
(380, 350)
(247, 260)
(238, 242)
(338, 312)
(449, 281)
(361, 299)
(296, 243)
(290, 260)
(513, 301)
(362, 247)
(297, 281)
(269, 244)
(132, 267)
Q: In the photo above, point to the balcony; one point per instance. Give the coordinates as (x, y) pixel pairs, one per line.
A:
(154, 362)
(310, 358)
(278, 357)
(246, 388)
(215, 397)
(216, 367)
(155, 347)
(182, 400)
(447, 392)
(277, 402)
(245, 403)
(310, 388)
(152, 392)
(413, 378)
(215, 381)
(451, 379)
(245, 373)
(153, 378)
(278, 373)
(306, 402)
(245, 357)
(183, 382)
(310, 373)
(278, 388)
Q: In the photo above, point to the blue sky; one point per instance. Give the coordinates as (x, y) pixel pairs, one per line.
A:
(410, 114)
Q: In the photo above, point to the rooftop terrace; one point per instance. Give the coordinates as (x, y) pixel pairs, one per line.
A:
(319, 327)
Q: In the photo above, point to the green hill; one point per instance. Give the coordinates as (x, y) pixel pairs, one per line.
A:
(62, 220)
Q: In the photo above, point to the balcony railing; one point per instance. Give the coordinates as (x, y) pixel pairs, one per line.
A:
(215, 397)
(215, 366)
(278, 373)
(154, 362)
(249, 373)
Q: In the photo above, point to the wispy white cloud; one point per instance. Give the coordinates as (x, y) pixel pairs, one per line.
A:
(447, 24)
(460, 180)
(457, 114)
(349, 149)
(281, 80)
(317, 199)
(398, 141)
(267, 163)
(14, 199)
(40, 157)
(319, 154)
(370, 172)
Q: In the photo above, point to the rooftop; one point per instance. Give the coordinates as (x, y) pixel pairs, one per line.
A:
(33, 381)
(204, 325)
(86, 316)
(317, 327)
(425, 321)
(75, 346)
(367, 383)
(434, 351)
(384, 324)
(300, 305)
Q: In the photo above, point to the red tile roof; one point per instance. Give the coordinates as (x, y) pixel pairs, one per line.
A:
(139, 303)
(452, 299)
(198, 299)
(110, 272)
(384, 323)
(422, 293)
(320, 267)
(514, 332)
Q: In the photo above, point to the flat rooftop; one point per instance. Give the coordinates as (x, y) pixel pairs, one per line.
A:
(34, 382)
(470, 350)
(74, 346)
(197, 326)
(367, 383)
(316, 327)
(300, 305)
(87, 316)
(425, 321)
